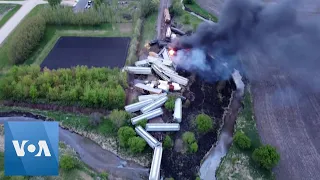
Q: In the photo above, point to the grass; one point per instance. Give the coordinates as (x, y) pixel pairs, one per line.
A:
(148, 30)
(194, 21)
(9, 14)
(194, 7)
(4, 59)
(238, 164)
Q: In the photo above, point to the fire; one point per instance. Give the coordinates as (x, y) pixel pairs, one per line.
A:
(171, 52)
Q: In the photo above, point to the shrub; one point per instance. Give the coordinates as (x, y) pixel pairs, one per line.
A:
(167, 143)
(95, 119)
(67, 162)
(94, 87)
(169, 105)
(142, 123)
(136, 144)
(241, 140)
(54, 2)
(188, 1)
(204, 123)
(186, 19)
(176, 8)
(148, 6)
(193, 147)
(26, 38)
(188, 137)
(124, 134)
(266, 156)
(104, 175)
(118, 118)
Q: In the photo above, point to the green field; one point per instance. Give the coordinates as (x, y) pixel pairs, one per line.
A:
(9, 10)
(194, 7)
(238, 164)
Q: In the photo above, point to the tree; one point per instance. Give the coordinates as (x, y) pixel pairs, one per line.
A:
(54, 3)
(67, 162)
(167, 143)
(148, 6)
(204, 123)
(169, 105)
(95, 119)
(188, 137)
(193, 147)
(266, 156)
(118, 117)
(142, 123)
(136, 144)
(188, 1)
(241, 140)
(176, 8)
(124, 134)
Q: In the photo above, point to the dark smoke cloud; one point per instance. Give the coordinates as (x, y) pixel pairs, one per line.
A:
(263, 40)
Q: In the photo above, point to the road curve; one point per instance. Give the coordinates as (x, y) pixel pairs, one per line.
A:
(93, 155)
(13, 22)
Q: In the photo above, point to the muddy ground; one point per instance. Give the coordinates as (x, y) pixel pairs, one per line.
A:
(204, 98)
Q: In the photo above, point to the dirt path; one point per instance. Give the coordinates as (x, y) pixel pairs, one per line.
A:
(13, 22)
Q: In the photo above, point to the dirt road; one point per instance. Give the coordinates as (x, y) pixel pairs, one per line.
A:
(13, 22)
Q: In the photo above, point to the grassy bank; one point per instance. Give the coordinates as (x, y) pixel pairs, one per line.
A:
(9, 14)
(149, 29)
(238, 164)
(194, 21)
(194, 7)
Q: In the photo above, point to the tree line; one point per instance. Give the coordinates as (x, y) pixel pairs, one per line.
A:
(81, 86)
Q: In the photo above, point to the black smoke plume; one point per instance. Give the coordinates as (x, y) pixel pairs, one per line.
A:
(263, 40)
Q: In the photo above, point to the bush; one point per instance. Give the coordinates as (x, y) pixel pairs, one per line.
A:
(26, 39)
(241, 140)
(266, 156)
(54, 2)
(95, 119)
(167, 143)
(186, 19)
(104, 175)
(67, 162)
(148, 6)
(94, 87)
(176, 8)
(188, 137)
(142, 123)
(136, 144)
(193, 147)
(169, 105)
(188, 1)
(118, 118)
(124, 134)
(204, 123)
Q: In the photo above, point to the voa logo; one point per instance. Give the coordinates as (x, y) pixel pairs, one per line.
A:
(42, 146)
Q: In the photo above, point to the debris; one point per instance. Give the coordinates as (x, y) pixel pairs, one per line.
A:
(153, 54)
(153, 142)
(138, 70)
(157, 103)
(165, 55)
(177, 115)
(156, 162)
(148, 88)
(159, 72)
(161, 51)
(161, 44)
(137, 106)
(151, 96)
(173, 36)
(162, 127)
(142, 63)
(169, 86)
(176, 78)
(148, 115)
(166, 15)
(153, 42)
(177, 31)
(168, 33)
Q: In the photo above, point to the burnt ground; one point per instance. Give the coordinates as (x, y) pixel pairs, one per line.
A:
(203, 98)
(89, 51)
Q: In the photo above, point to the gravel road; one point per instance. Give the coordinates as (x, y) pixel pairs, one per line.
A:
(13, 22)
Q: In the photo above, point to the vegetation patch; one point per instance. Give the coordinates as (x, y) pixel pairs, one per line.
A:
(238, 163)
(204, 123)
(7, 11)
(194, 7)
(95, 87)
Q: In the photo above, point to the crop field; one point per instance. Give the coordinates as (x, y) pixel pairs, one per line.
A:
(90, 51)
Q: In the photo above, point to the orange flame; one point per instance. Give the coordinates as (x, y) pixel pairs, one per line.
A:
(171, 52)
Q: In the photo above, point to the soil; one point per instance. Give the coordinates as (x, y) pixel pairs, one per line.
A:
(89, 51)
(55, 107)
(203, 98)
